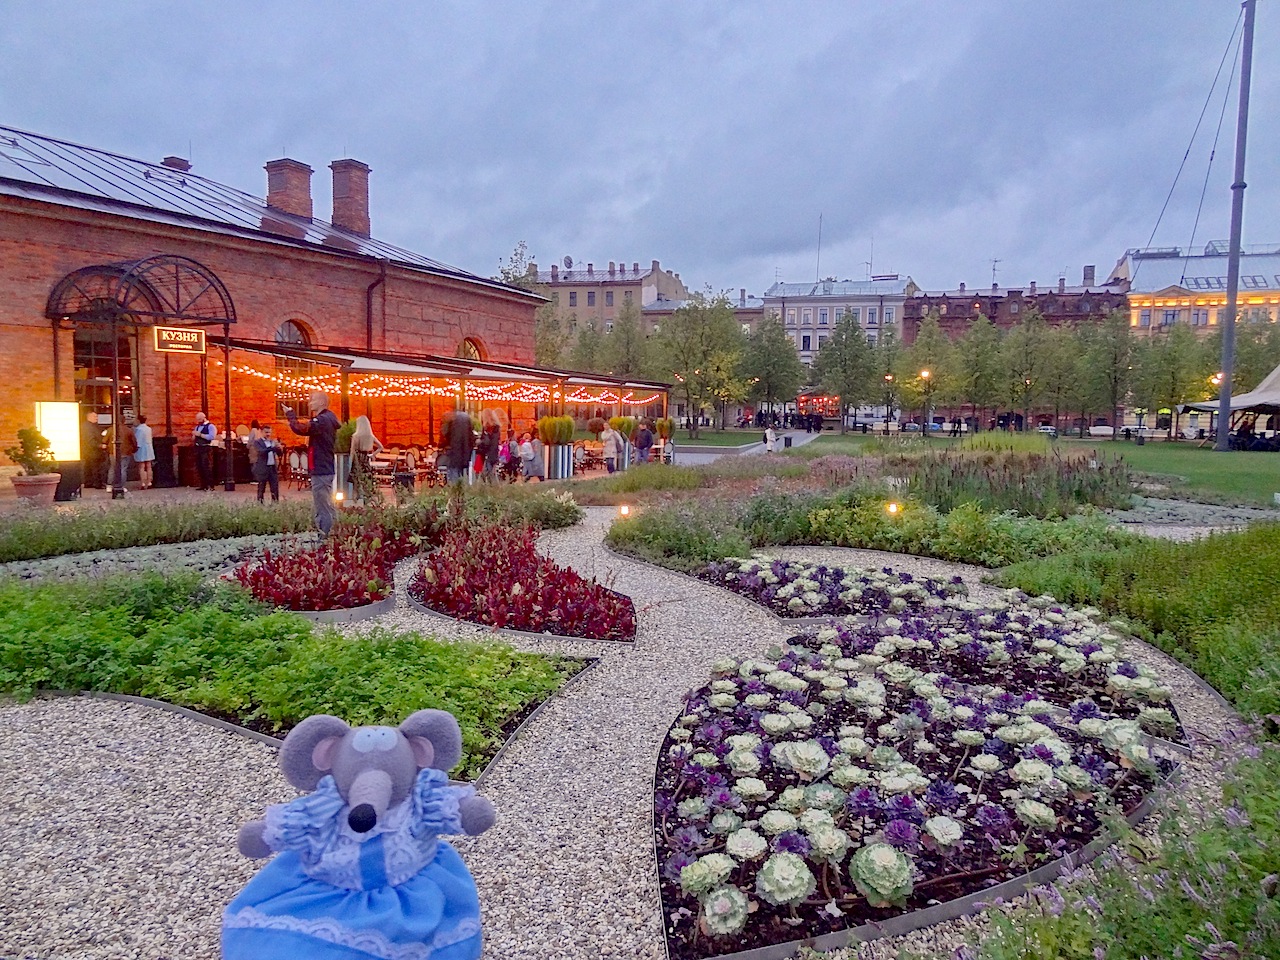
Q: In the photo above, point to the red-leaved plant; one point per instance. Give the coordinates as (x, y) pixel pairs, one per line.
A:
(493, 575)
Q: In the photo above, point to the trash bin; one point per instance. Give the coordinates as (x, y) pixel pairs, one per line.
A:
(786, 443)
(164, 474)
(864, 428)
(1141, 438)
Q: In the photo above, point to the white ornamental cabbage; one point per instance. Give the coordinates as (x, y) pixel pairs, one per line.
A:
(743, 763)
(1031, 771)
(743, 741)
(985, 763)
(706, 873)
(785, 879)
(882, 874)
(970, 738)
(944, 831)
(1076, 778)
(726, 821)
(813, 819)
(775, 724)
(775, 822)
(823, 796)
(828, 843)
(695, 808)
(751, 789)
(791, 799)
(723, 701)
(848, 777)
(745, 844)
(807, 758)
(1037, 815)
(725, 910)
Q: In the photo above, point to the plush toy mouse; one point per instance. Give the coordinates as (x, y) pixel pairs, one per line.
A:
(361, 871)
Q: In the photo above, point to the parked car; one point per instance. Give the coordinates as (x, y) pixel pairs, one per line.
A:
(1049, 430)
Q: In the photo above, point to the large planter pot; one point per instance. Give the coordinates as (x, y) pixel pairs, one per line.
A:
(559, 461)
(342, 476)
(624, 455)
(38, 489)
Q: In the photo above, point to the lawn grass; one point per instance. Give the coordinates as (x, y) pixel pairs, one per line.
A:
(1199, 473)
(711, 437)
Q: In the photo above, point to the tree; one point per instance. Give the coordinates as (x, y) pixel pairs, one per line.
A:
(770, 365)
(931, 352)
(1169, 369)
(1024, 362)
(624, 353)
(980, 366)
(518, 271)
(1109, 360)
(550, 336)
(693, 349)
(886, 355)
(846, 366)
(588, 351)
(1061, 372)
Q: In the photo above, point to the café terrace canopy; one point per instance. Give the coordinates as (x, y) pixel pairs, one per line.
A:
(366, 374)
(1264, 398)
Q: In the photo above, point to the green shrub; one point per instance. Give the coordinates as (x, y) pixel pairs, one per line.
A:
(1002, 441)
(555, 430)
(213, 649)
(624, 425)
(77, 531)
(683, 537)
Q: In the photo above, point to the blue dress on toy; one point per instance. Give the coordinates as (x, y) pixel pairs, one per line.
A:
(398, 892)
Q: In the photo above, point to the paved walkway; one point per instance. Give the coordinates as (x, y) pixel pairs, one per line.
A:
(710, 455)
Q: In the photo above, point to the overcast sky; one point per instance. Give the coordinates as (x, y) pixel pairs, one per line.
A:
(931, 137)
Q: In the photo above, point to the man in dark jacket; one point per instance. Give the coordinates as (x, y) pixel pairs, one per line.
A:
(320, 431)
(459, 442)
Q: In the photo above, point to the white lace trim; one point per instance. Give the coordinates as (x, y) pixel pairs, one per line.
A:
(368, 941)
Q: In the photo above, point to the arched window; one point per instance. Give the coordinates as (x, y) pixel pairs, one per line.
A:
(468, 349)
(295, 335)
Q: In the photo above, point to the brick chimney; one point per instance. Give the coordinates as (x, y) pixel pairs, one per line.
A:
(555, 273)
(591, 269)
(289, 187)
(995, 287)
(655, 268)
(962, 288)
(635, 267)
(1090, 274)
(351, 196)
(177, 163)
(1033, 288)
(613, 268)
(1062, 284)
(742, 296)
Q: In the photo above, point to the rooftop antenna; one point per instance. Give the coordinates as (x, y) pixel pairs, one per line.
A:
(993, 269)
(817, 270)
(777, 274)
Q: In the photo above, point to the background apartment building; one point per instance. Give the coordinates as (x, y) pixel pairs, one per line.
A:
(590, 296)
(1168, 286)
(810, 311)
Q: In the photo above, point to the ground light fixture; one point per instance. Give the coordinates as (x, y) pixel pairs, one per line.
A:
(624, 511)
(893, 508)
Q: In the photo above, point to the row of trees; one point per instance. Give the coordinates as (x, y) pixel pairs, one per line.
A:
(1085, 372)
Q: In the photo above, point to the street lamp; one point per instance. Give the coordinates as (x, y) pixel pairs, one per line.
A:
(888, 400)
(925, 375)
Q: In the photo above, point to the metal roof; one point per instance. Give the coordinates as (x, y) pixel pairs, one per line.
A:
(596, 276)
(57, 171)
(1258, 271)
(897, 286)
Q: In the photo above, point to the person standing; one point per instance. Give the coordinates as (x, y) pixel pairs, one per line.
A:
(145, 454)
(93, 452)
(320, 431)
(770, 439)
(611, 443)
(643, 441)
(364, 445)
(531, 457)
(204, 435)
(459, 441)
(266, 462)
(491, 440)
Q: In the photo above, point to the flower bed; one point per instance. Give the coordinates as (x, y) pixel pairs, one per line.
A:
(792, 588)
(865, 772)
(493, 575)
(336, 574)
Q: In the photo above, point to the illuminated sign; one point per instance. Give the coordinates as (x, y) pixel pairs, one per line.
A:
(179, 340)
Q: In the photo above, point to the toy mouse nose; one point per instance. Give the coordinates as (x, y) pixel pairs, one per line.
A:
(362, 818)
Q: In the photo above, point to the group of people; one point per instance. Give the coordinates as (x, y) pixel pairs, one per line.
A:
(98, 454)
(487, 454)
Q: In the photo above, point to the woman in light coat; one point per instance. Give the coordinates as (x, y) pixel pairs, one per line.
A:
(612, 441)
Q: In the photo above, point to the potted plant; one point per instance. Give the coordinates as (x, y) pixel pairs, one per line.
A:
(38, 481)
(556, 433)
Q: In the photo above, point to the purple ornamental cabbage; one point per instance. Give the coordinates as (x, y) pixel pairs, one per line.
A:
(901, 834)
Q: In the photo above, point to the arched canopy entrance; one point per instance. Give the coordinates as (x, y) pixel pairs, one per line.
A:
(154, 291)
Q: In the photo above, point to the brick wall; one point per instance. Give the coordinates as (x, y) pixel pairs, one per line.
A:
(270, 283)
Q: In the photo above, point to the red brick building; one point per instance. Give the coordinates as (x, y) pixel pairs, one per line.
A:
(86, 235)
(1059, 305)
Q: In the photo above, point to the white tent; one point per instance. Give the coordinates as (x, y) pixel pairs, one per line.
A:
(1264, 398)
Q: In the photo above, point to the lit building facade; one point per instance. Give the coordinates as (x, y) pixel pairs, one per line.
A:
(810, 311)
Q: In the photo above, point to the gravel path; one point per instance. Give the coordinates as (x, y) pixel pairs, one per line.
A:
(140, 857)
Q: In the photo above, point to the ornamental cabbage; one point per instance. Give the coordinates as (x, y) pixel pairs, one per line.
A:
(706, 873)
(882, 874)
(828, 843)
(944, 831)
(743, 763)
(1035, 814)
(745, 844)
(724, 911)
(775, 822)
(806, 758)
(785, 879)
(751, 788)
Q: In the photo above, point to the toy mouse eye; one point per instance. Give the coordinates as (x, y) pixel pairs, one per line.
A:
(374, 739)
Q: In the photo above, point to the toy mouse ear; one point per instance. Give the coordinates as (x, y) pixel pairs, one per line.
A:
(308, 749)
(442, 733)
